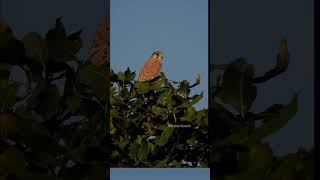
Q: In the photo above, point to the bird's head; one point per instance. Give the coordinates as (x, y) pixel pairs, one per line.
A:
(158, 55)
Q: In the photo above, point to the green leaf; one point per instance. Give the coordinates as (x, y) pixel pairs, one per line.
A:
(196, 98)
(163, 139)
(133, 150)
(276, 121)
(6, 35)
(26, 113)
(139, 139)
(158, 84)
(60, 46)
(260, 160)
(129, 76)
(11, 49)
(36, 92)
(202, 118)
(72, 96)
(189, 114)
(272, 124)
(121, 76)
(123, 143)
(8, 94)
(175, 163)
(294, 166)
(5, 71)
(115, 154)
(191, 141)
(143, 87)
(143, 151)
(237, 88)
(12, 162)
(286, 169)
(49, 102)
(198, 79)
(165, 99)
(184, 88)
(96, 78)
(162, 163)
(150, 147)
(158, 111)
(8, 125)
(283, 56)
(281, 65)
(36, 47)
(30, 127)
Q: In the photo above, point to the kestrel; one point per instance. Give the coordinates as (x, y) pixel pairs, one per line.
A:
(152, 67)
(99, 51)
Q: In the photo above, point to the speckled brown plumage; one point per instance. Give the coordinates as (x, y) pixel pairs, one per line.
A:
(99, 53)
(152, 67)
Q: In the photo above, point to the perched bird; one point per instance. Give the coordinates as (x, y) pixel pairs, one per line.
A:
(152, 67)
(99, 52)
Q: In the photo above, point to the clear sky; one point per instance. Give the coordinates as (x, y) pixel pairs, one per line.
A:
(160, 174)
(177, 27)
(39, 16)
(253, 29)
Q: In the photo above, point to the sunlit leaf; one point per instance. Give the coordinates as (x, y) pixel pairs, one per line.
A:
(163, 139)
(143, 87)
(184, 88)
(196, 98)
(143, 151)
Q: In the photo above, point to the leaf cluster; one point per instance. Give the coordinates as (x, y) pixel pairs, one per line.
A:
(53, 126)
(155, 123)
(236, 132)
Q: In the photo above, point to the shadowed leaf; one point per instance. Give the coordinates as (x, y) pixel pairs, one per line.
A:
(237, 88)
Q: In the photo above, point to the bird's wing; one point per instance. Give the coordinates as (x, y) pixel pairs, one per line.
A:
(150, 70)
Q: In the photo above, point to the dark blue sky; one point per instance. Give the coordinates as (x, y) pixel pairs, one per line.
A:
(177, 27)
(253, 29)
(38, 16)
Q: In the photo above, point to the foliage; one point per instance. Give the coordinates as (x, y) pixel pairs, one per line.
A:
(155, 123)
(236, 133)
(55, 126)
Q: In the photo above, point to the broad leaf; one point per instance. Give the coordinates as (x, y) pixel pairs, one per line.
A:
(96, 78)
(36, 47)
(281, 65)
(163, 139)
(272, 124)
(237, 88)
